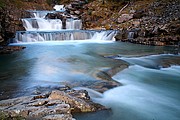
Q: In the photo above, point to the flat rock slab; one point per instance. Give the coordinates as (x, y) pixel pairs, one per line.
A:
(56, 105)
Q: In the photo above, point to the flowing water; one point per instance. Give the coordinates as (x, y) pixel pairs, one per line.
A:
(151, 83)
(147, 93)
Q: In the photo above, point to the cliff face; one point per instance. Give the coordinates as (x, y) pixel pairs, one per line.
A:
(11, 11)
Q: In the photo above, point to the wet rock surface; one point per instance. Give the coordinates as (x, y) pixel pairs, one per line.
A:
(10, 49)
(53, 105)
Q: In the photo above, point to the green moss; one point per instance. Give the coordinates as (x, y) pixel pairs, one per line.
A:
(2, 3)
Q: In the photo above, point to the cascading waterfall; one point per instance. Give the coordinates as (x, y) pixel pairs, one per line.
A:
(38, 24)
(38, 14)
(130, 35)
(34, 36)
(73, 24)
(39, 28)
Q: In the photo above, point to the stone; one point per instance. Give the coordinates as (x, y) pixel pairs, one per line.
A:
(15, 101)
(62, 108)
(54, 102)
(77, 12)
(72, 12)
(124, 18)
(58, 117)
(136, 23)
(82, 94)
(57, 105)
(41, 112)
(77, 104)
(121, 35)
(10, 49)
(38, 102)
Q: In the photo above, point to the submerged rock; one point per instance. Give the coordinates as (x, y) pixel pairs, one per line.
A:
(10, 49)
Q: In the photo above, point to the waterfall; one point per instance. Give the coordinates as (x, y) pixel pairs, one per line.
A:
(73, 24)
(33, 36)
(104, 35)
(130, 35)
(40, 28)
(31, 24)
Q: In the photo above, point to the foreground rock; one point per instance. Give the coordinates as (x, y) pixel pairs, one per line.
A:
(56, 105)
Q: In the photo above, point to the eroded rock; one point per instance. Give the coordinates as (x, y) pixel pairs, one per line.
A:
(77, 103)
(58, 117)
(54, 106)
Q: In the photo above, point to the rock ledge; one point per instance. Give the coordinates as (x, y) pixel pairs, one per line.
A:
(55, 105)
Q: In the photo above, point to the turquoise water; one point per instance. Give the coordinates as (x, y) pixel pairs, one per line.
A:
(149, 91)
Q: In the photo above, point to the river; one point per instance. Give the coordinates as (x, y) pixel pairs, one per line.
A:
(151, 83)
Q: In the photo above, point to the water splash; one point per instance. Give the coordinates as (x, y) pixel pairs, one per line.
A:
(59, 8)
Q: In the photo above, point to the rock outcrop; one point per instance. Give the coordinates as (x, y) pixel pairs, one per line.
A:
(157, 24)
(142, 22)
(54, 105)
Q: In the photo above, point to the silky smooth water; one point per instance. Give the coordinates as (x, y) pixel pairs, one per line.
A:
(149, 91)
